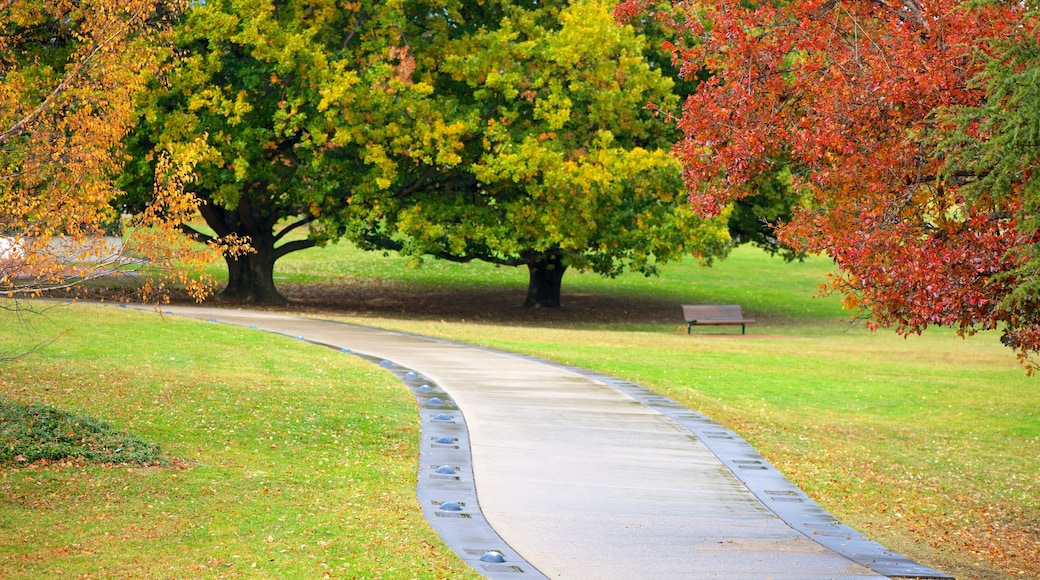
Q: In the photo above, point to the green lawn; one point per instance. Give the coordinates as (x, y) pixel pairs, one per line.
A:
(286, 460)
(763, 286)
(929, 444)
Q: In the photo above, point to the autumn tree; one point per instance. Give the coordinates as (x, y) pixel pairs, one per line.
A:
(561, 166)
(893, 117)
(300, 108)
(503, 131)
(68, 75)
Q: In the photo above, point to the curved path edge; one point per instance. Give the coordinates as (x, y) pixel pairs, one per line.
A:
(446, 488)
(793, 506)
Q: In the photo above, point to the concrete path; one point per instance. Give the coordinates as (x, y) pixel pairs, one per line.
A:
(580, 475)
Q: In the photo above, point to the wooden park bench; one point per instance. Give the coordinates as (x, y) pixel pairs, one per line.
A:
(717, 314)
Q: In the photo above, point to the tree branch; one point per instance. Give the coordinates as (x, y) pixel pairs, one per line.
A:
(297, 224)
(358, 18)
(209, 213)
(196, 235)
(483, 258)
(293, 246)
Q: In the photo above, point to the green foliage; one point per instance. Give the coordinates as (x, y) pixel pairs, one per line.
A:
(295, 111)
(561, 154)
(30, 433)
(1000, 136)
(755, 217)
(497, 131)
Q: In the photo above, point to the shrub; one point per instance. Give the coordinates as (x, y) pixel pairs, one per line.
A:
(34, 432)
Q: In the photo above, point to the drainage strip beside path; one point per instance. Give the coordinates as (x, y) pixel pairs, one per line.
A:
(532, 469)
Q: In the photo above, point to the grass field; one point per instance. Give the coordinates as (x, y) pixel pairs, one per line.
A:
(929, 444)
(285, 460)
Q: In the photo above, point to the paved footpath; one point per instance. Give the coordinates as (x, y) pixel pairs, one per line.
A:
(580, 475)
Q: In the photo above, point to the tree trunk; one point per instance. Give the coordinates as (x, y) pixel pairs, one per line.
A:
(545, 278)
(251, 278)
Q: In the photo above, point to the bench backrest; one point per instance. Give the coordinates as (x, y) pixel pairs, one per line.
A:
(705, 312)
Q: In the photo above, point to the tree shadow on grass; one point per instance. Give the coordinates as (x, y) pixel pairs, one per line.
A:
(397, 300)
(491, 304)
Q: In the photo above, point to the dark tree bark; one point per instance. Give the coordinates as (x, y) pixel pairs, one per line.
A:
(545, 270)
(251, 278)
(251, 275)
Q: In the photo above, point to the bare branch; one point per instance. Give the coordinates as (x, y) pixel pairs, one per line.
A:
(293, 246)
(297, 224)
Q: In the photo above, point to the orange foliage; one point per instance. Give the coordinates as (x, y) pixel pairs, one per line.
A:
(69, 73)
(856, 98)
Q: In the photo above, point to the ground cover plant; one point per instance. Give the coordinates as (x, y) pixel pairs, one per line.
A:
(35, 433)
(929, 444)
(283, 460)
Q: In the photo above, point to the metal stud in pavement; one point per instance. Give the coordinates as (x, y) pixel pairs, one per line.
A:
(493, 557)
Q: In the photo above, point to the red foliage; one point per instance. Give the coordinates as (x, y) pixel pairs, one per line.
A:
(853, 95)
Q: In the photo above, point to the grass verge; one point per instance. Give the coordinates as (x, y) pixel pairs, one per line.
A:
(929, 444)
(293, 461)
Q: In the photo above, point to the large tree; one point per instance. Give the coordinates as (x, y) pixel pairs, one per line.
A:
(864, 101)
(504, 131)
(562, 165)
(295, 108)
